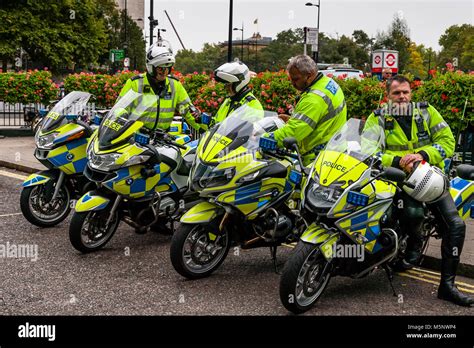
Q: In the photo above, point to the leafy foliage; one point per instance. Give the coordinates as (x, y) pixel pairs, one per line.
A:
(28, 87)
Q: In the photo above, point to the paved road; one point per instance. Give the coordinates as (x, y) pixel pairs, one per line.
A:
(133, 276)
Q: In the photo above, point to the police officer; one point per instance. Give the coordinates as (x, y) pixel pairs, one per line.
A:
(413, 133)
(236, 77)
(170, 93)
(319, 113)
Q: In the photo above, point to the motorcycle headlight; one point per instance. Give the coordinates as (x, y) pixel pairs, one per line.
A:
(326, 193)
(248, 177)
(103, 162)
(45, 141)
(217, 177)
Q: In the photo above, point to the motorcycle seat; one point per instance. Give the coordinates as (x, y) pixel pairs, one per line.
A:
(274, 170)
(465, 171)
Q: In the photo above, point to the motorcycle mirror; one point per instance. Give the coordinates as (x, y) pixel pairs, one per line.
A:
(289, 143)
(393, 174)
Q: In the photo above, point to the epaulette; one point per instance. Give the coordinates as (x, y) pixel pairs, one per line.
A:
(423, 104)
(173, 77)
(249, 98)
(136, 77)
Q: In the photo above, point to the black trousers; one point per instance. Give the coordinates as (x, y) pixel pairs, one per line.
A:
(451, 227)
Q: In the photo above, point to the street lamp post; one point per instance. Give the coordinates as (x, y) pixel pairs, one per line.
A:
(316, 53)
(242, 42)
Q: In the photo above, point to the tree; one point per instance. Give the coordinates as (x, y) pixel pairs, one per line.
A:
(362, 40)
(287, 44)
(415, 64)
(119, 38)
(63, 32)
(396, 38)
(211, 56)
(458, 41)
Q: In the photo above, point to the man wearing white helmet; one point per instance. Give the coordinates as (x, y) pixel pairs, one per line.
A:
(417, 139)
(236, 77)
(171, 96)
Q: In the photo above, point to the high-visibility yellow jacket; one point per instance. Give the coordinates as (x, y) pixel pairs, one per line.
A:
(430, 135)
(173, 99)
(320, 112)
(232, 103)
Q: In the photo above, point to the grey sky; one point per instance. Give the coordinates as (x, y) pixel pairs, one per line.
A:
(201, 21)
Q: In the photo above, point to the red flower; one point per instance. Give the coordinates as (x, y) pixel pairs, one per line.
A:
(455, 110)
(444, 97)
(432, 72)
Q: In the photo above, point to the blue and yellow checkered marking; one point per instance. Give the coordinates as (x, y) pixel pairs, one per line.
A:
(459, 184)
(71, 157)
(129, 181)
(462, 192)
(365, 223)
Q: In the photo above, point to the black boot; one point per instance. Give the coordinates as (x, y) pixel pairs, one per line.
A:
(447, 289)
(410, 260)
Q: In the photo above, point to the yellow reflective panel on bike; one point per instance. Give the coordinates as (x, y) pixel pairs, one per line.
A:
(332, 166)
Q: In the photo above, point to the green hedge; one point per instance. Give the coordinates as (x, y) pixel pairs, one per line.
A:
(28, 87)
(447, 92)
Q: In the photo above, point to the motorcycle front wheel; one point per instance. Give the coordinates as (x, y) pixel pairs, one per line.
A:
(196, 251)
(89, 230)
(304, 278)
(40, 211)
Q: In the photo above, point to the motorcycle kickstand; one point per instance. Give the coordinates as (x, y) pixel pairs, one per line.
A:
(389, 273)
(273, 251)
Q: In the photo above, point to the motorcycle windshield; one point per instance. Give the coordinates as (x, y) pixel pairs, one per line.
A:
(126, 117)
(238, 134)
(233, 141)
(72, 104)
(346, 156)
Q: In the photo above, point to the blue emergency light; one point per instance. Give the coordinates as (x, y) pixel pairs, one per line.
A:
(142, 139)
(357, 198)
(71, 117)
(267, 144)
(295, 177)
(97, 120)
(472, 210)
(205, 118)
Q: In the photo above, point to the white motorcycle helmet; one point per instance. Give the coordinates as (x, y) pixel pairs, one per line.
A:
(236, 73)
(429, 183)
(159, 56)
(267, 125)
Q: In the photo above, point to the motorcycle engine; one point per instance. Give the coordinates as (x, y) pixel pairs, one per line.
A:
(283, 226)
(167, 205)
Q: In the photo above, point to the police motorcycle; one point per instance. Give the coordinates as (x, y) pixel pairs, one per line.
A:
(61, 144)
(249, 195)
(351, 208)
(141, 175)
